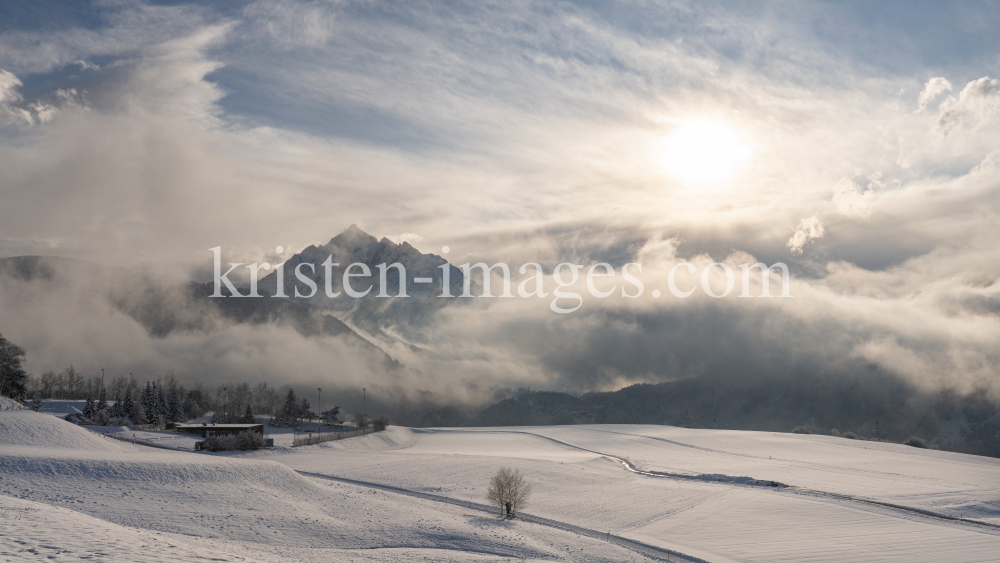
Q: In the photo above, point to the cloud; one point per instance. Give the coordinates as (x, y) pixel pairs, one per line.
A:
(517, 133)
(857, 202)
(808, 229)
(120, 29)
(288, 24)
(77, 316)
(852, 201)
(9, 96)
(977, 105)
(412, 238)
(14, 110)
(86, 65)
(934, 88)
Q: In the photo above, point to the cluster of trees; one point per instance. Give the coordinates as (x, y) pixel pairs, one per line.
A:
(160, 400)
(156, 403)
(295, 412)
(68, 385)
(238, 402)
(362, 421)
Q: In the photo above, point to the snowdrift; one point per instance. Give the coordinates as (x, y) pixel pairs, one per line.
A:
(8, 403)
(42, 431)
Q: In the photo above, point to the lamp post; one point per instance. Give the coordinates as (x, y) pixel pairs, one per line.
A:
(319, 408)
(364, 402)
(225, 409)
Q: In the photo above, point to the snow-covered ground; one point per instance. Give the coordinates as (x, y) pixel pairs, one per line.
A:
(413, 494)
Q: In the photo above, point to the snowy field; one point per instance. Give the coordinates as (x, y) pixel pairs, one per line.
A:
(609, 493)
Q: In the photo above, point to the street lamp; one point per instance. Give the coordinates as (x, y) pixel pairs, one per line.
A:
(319, 408)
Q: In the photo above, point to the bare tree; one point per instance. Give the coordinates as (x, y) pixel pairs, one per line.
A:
(508, 485)
(361, 420)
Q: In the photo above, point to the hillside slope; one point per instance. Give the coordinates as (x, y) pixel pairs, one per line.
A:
(963, 423)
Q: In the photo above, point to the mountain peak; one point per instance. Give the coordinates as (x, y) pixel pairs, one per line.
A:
(353, 234)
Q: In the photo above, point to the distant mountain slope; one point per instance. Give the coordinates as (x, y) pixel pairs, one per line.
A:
(969, 423)
(372, 313)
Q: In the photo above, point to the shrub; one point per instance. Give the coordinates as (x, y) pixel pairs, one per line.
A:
(834, 432)
(915, 442)
(381, 423)
(801, 430)
(243, 441)
(850, 435)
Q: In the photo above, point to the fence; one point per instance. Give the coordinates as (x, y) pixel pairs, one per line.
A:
(320, 437)
(139, 442)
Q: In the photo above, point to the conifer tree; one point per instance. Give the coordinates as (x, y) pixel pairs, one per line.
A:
(146, 399)
(161, 402)
(138, 413)
(128, 406)
(303, 411)
(289, 411)
(174, 408)
(330, 416)
(152, 416)
(116, 409)
(88, 409)
(102, 403)
(13, 379)
(248, 417)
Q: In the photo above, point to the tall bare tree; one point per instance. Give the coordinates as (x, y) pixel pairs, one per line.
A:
(508, 485)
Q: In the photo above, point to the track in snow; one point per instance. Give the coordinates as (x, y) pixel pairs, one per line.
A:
(628, 465)
(647, 550)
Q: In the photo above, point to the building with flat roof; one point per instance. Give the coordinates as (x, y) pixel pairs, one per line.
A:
(206, 430)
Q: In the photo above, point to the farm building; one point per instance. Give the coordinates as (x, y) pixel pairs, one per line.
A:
(206, 430)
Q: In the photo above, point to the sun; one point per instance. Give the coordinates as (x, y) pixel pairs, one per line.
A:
(702, 152)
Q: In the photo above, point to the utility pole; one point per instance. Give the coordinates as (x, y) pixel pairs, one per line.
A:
(225, 408)
(319, 407)
(364, 402)
(102, 378)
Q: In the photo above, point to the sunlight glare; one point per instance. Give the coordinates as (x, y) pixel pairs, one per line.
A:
(702, 152)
